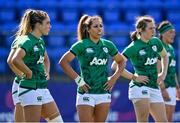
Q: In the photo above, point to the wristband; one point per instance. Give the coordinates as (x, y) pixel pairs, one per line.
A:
(80, 81)
(134, 77)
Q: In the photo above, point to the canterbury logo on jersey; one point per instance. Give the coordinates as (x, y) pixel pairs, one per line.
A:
(96, 61)
(41, 60)
(173, 63)
(151, 61)
(36, 48)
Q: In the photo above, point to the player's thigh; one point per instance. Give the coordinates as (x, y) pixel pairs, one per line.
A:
(101, 112)
(141, 107)
(158, 111)
(32, 113)
(169, 112)
(50, 110)
(18, 113)
(85, 113)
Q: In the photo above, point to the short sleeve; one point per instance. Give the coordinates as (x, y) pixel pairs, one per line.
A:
(159, 45)
(26, 45)
(128, 51)
(112, 49)
(76, 48)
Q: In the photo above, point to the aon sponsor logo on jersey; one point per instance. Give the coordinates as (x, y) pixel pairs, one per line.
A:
(173, 63)
(151, 61)
(96, 61)
(41, 60)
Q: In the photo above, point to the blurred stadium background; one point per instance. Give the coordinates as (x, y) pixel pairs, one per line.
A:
(118, 17)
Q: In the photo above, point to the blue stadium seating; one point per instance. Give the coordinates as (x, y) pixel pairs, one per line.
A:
(56, 27)
(49, 4)
(131, 15)
(3, 67)
(173, 16)
(155, 14)
(71, 5)
(152, 5)
(4, 53)
(89, 4)
(90, 12)
(10, 4)
(9, 40)
(70, 16)
(53, 15)
(177, 27)
(130, 5)
(9, 27)
(7, 15)
(24, 4)
(116, 27)
(56, 53)
(171, 5)
(56, 41)
(113, 5)
(120, 41)
(71, 28)
(111, 16)
(72, 40)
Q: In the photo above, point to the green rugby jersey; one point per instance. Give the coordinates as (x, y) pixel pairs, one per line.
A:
(171, 72)
(143, 57)
(93, 59)
(34, 59)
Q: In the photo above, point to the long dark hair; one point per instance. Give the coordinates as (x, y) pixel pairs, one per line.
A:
(84, 25)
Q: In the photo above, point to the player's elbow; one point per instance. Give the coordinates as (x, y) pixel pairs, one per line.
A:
(15, 60)
(114, 66)
(9, 62)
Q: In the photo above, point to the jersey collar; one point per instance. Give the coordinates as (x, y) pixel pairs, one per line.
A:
(141, 41)
(98, 43)
(33, 37)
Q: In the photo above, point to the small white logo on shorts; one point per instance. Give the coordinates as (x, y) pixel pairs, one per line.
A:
(144, 92)
(109, 97)
(39, 98)
(86, 99)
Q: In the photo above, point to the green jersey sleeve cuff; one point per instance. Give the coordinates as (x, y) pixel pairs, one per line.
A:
(73, 52)
(24, 49)
(115, 53)
(125, 55)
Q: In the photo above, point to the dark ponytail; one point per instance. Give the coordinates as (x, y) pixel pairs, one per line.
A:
(133, 36)
(82, 30)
